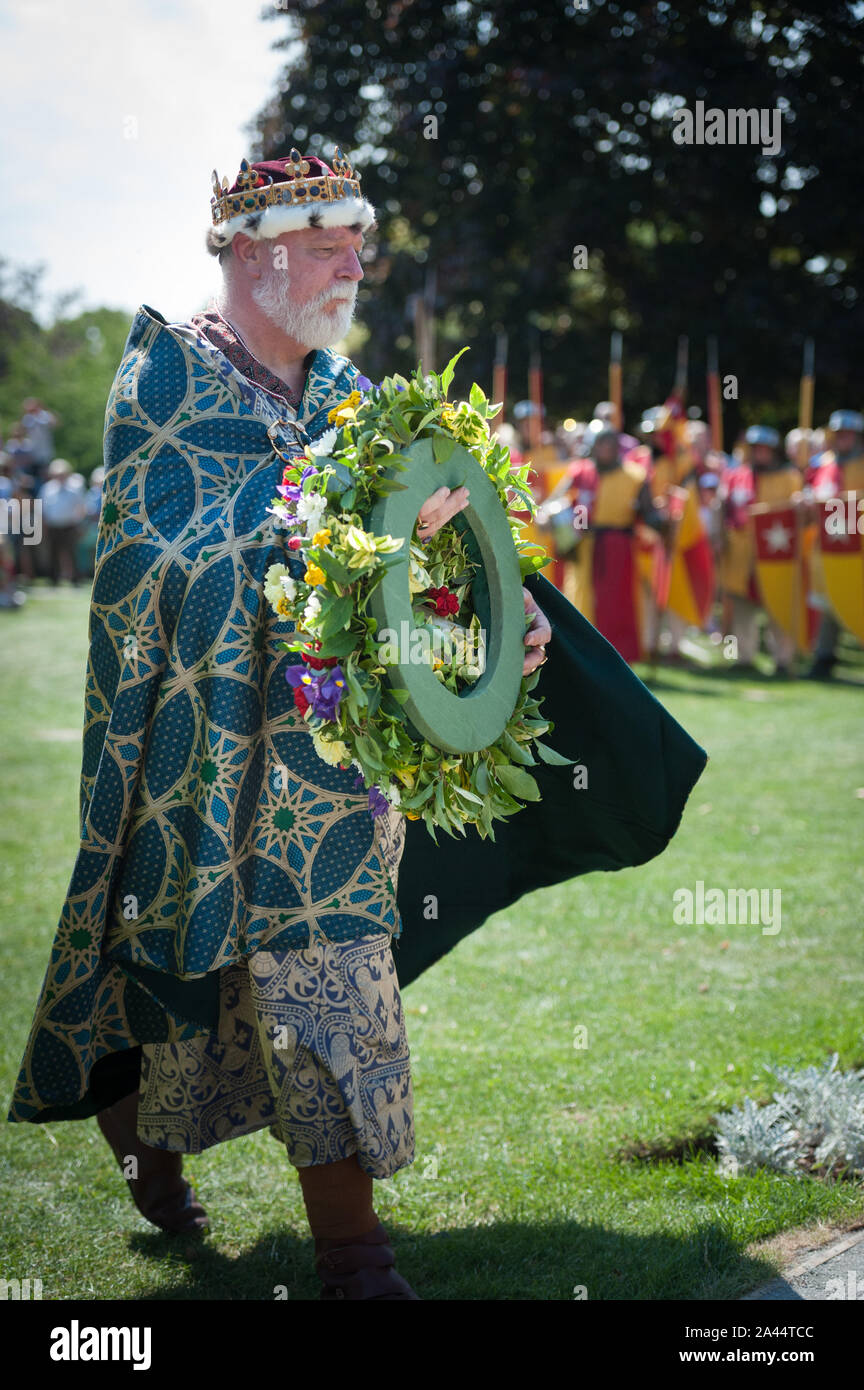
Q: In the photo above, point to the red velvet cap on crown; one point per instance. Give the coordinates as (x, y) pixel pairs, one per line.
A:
(283, 195)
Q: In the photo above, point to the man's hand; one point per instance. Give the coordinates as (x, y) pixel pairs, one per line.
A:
(438, 509)
(536, 636)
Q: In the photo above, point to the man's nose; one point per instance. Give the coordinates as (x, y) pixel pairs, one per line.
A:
(350, 267)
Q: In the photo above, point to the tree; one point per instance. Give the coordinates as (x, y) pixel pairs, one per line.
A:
(494, 139)
(69, 366)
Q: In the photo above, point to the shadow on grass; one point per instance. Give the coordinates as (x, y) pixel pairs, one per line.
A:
(560, 1261)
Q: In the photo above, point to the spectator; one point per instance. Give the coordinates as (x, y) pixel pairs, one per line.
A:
(19, 452)
(94, 494)
(10, 595)
(39, 425)
(90, 529)
(64, 507)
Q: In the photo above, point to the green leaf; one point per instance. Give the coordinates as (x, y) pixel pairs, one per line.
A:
(462, 791)
(339, 645)
(550, 755)
(529, 564)
(518, 752)
(399, 428)
(447, 374)
(337, 616)
(399, 694)
(334, 568)
(355, 687)
(374, 700)
(384, 486)
(442, 447)
(369, 749)
(430, 415)
(519, 783)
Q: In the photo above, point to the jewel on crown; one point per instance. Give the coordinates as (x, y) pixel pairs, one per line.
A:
(250, 178)
(342, 166)
(296, 165)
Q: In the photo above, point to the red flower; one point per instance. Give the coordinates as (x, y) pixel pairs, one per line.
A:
(445, 601)
(300, 700)
(318, 662)
(295, 543)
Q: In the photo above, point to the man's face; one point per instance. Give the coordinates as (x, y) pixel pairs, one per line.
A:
(845, 441)
(606, 452)
(308, 286)
(698, 439)
(762, 455)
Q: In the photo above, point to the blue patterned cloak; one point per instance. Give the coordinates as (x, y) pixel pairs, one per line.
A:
(210, 828)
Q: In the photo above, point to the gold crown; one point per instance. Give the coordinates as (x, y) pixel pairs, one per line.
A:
(257, 191)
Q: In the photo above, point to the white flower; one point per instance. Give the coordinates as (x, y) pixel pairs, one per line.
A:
(310, 505)
(393, 795)
(275, 586)
(324, 443)
(289, 585)
(310, 509)
(312, 609)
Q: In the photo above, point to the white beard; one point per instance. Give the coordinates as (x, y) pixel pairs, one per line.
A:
(311, 325)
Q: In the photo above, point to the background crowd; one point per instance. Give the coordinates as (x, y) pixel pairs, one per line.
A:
(55, 540)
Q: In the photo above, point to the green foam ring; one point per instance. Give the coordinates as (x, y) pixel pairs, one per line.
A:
(473, 720)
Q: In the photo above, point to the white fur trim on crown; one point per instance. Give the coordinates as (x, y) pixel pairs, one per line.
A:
(273, 221)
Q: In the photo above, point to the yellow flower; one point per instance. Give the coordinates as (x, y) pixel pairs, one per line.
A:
(283, 607)
(314, 575)
(342, 413)
(322, 537)
(413, 815)
(332, 750)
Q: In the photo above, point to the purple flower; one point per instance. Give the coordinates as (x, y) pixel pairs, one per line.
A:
(324, 689)
(363, 383)
(295, 490)
(378, 803)
(399, 388)
(329, 687)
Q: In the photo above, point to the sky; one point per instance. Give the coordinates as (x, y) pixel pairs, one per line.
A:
(114, 114)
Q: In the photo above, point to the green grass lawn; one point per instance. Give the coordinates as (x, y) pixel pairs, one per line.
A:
(540, 1165)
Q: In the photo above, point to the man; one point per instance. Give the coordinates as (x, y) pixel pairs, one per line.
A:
(608, 497)
(39, 425)
(840, 469)
(290, 275)
(64, 506)
(677, 570)
(764, 476)
(223, 962)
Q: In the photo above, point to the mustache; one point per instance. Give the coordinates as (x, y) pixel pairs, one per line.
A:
(328, 296)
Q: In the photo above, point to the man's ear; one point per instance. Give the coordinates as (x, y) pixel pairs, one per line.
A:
(250, 254)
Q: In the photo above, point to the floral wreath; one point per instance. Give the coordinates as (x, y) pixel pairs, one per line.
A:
(341, 686)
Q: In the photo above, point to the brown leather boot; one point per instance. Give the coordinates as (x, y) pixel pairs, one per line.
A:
(361, 1267)
(160, 1192)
